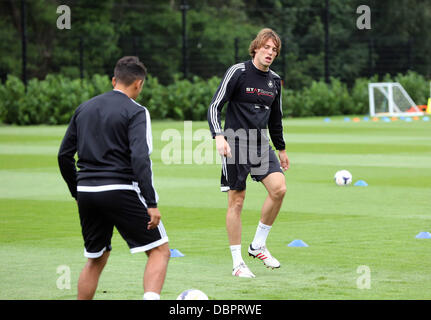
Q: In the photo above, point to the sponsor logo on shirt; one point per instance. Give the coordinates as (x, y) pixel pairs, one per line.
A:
(259, 92)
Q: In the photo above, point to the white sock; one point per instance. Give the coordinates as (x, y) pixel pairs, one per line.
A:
(236, 254)
(151, 296)
(262, 232)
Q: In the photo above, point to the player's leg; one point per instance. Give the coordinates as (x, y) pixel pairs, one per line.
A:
(275, 184)
(155, 271)
(233, 216)
(276, 187)
(89, 277)
(97, 233)
(233, 180)
(132, 225)
(234, 229)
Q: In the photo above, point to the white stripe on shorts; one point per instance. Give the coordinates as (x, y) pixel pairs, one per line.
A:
(150, 246)
(94, 255)
(107, 187)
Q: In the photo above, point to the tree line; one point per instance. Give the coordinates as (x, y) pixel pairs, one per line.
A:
(320, 38)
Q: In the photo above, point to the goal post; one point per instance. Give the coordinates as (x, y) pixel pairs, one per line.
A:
(390, 99)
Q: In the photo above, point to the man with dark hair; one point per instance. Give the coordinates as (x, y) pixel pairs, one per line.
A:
(128, 69)
(114, 185)
(253, 91)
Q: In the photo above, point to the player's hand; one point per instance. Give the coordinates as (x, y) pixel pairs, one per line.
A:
(284, 160)
(154, 214)
(223, 147)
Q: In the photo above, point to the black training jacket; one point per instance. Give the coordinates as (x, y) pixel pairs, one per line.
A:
(112, 135)
(254, 98)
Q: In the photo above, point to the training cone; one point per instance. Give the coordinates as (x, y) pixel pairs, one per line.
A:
(423, 235)
(361, 183)
(297, 243)
(175, 253)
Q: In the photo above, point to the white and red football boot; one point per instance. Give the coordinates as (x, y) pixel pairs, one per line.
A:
(264, 255)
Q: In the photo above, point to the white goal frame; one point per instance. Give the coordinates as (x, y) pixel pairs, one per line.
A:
(386, 88)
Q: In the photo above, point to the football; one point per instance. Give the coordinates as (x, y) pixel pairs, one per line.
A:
(343, 178)
(192, 294)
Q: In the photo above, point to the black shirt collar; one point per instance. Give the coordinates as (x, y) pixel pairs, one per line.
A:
(258, 71)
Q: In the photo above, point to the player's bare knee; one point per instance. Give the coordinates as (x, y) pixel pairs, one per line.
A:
(161, 251)
(236, 204)
(166, 252)
(99, 262)
(278, 193)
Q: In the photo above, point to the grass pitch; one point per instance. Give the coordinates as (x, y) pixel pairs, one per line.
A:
(345, 227)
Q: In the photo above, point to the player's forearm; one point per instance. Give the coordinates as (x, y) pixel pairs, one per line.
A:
(68, 172)
(277, 137)
(214, 122)
(141, 166)
(149, 193)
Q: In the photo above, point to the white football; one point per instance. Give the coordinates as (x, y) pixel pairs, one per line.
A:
(343, 178)
(192, 294)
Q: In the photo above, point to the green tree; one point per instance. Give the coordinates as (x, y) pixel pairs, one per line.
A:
(91, 24)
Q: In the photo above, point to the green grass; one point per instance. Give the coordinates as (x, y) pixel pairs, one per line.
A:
(345, 227)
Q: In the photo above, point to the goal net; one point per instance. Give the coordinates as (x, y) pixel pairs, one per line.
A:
(390, 99)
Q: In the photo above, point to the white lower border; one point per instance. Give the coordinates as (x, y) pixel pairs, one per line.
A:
(94, 255)
(108, 187)
(150, 246)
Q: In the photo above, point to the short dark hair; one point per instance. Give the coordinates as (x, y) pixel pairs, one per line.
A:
(128, 69)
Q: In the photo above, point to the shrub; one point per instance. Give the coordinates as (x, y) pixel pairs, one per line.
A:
(11, 95)
(49, 101)
(54, 99)
(319, 99)
(415, 85)
(359, 94)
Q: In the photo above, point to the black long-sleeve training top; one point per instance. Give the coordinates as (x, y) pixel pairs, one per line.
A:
(112, 135)
(255, 101)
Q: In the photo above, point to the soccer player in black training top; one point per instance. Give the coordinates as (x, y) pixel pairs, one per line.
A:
(114, 185)
(253, 91)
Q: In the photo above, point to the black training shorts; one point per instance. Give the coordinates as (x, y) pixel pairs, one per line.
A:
(101, 207)
(235, 170)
